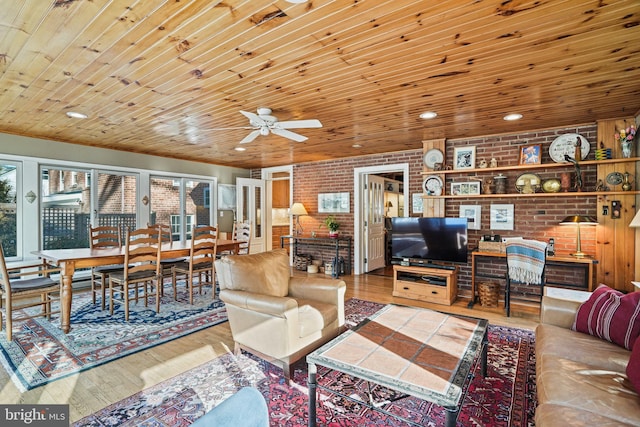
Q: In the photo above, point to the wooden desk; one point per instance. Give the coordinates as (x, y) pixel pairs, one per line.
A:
(586, 263)
(71, 259)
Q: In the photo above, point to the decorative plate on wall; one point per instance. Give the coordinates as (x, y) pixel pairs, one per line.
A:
(432, 185)
(566, 144)
(614, 178)
(432, 157)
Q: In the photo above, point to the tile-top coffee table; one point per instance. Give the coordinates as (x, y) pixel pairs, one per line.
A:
(419, 352)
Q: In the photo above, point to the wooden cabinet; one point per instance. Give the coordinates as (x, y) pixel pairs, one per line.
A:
(439, 286)
(280, 193)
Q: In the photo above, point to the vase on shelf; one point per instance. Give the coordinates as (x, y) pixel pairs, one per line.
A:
(626, 149)
(626, 181)
(565, 181)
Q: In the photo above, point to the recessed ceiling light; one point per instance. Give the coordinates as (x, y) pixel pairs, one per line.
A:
(240, 149)
(429, 115)
(75, 115)
(357, 146)
(514, 116)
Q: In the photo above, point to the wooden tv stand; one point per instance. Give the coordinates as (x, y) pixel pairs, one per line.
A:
(439, 286)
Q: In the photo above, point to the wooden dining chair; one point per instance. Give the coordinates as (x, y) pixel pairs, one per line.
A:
(166, 236)
(31, 284)
(142, 270)
(242, 233)
(200, 263)
(103, 237)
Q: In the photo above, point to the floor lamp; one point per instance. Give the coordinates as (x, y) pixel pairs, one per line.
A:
(297, 209)
(578, 220)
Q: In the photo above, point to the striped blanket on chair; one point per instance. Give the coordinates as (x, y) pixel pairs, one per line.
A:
(526, 259)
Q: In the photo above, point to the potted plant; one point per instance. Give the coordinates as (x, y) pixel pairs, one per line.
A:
(332, 225)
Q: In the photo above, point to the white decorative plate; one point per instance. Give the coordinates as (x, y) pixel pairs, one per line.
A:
(432, 157)
(432, 185)
(566, 144)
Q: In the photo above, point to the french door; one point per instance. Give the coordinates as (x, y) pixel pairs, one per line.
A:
(251, 208)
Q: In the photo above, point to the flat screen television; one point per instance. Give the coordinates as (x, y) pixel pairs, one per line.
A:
(423, 240)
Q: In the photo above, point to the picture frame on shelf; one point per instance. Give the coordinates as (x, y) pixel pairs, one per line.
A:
(502, 217)
(530, 154)
(469, 188)
(473, 215)
(333, 202)
(416, 202)
(464, 157)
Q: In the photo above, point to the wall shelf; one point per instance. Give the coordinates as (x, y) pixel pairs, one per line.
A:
(533, 167)
(519, 195)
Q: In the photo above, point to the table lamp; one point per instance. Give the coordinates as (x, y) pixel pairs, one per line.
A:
(635, 222)
(578, 220)
(297, 209)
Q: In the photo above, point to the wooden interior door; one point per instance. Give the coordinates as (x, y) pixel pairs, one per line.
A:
(374, 225)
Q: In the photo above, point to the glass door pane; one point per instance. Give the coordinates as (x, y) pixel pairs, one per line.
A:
(165, 203)
(116, 201)
(197, 204)
(8, 209)
(65, 208)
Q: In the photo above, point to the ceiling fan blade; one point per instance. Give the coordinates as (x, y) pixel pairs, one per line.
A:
(254, 119)
(249, 138)
(288, 134)
(298, 124)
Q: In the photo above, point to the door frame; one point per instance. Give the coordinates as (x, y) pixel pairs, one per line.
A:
(359, 179)
(266, 174)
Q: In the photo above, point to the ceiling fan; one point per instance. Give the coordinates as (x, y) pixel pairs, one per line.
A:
(264, 123)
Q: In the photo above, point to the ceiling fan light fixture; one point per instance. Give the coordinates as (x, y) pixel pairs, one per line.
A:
(264, 131)
(428, 115)
(512, 117)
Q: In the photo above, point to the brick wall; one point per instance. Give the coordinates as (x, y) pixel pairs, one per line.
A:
(535, 218)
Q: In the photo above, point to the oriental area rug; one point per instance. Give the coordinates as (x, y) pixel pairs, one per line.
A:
(506, 397)
(40, 352)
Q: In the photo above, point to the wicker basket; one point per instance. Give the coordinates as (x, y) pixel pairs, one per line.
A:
(489, 292)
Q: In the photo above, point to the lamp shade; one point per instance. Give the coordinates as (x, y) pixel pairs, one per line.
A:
(635, 222)
(579, 219)
(298, 209)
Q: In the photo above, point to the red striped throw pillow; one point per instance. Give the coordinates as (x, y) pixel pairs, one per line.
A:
(611, 315)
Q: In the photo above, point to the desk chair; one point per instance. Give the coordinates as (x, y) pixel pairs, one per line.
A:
(40, 290)
(526, 261)
(141, 268)
(101, 238)
(200, 262)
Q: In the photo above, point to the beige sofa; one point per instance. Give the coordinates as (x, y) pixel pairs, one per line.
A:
(580, 379)
(273, 315)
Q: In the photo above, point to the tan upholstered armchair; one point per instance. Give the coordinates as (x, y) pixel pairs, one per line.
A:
(273, 315)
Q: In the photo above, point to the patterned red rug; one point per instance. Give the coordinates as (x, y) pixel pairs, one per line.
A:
(506, 397)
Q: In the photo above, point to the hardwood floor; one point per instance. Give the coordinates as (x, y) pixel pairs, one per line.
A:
(96, 388)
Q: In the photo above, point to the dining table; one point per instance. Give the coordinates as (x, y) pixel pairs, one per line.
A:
(69, 260)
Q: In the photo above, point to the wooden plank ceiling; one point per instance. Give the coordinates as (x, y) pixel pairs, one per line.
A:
(169, 78)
